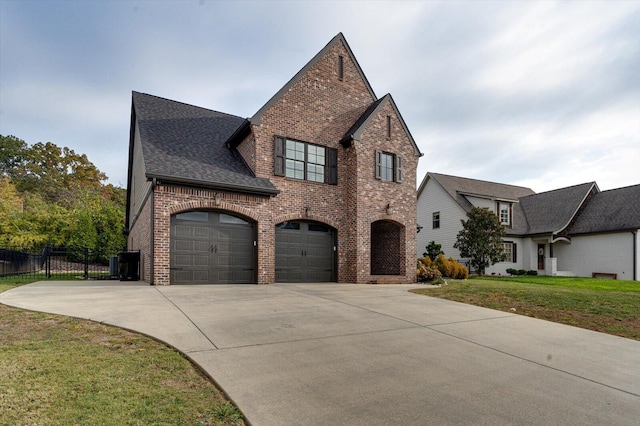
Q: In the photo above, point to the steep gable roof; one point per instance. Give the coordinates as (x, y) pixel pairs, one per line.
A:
(458, 187)
(355, 132)
(612, 210)
(552, 211)
(339, 38)
(183, 143)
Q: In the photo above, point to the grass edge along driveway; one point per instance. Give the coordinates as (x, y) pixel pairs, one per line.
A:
(608, 306)
(61, 370)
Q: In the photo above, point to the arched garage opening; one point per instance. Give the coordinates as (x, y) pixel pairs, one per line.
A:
(212, 247)
(387, 248)
(305, 252)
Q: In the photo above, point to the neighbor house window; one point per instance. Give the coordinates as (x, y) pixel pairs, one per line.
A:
(340, 67)
(510, 251)
(436, 220)
(504, 210)
(305, 161)
(388, 167)
(388, 126)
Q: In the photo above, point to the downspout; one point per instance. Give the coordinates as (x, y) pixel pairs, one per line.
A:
(635, 254)
(152, 250)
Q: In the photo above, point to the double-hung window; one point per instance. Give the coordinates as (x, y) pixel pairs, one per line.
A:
(436, 220)
(305, 161)
(510, 251)
(504, 211)
(388, 166)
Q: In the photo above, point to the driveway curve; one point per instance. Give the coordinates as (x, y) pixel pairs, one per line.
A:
(326, 354)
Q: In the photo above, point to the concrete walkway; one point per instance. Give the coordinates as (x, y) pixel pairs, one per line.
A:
(328, 354)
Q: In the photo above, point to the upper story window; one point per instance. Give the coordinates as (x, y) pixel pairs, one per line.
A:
(436, 220)
(504, 212)
(305, 161)
(388, 166)
(340, 67)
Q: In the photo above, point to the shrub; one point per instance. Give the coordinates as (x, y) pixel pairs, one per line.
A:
(521, 272)
(512, 271)
(426, 272)
(444, 265)
(532, 272)
(449, 268)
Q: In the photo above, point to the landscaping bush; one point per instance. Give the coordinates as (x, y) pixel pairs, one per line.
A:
(426, 272)
(512, 271)
(429, 270)
(521, 272)
(532, 272)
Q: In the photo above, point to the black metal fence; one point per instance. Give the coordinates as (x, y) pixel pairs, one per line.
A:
(56, 262)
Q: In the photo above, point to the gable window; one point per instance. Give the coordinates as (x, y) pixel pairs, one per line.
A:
(436, 220)
(340, 67)
(504, 211)
(510, 251)
(388, 166)
(305, 161)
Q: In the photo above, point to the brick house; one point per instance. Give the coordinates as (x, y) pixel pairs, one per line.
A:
(318, 185)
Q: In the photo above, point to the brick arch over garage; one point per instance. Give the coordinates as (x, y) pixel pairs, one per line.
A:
(212, 205)
(310, 217)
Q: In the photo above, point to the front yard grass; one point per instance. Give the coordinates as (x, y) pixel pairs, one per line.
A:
(608, 306)
(61, 370)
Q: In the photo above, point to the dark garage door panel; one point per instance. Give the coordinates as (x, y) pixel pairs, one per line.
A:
(305, 253)
(208, 251)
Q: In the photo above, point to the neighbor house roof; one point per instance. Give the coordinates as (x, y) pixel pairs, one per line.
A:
(612, 210)
(459, 187)
(552, 211)
(183, 143)
(355, 132)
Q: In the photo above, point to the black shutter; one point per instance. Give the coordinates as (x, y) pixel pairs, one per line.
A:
(514, 251)
(278, 159)
(398, 168)
(378, 164)
(332, 166)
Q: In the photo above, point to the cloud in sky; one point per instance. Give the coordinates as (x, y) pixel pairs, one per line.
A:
(542, 94)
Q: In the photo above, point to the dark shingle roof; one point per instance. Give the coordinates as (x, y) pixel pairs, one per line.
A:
(457, 186)
(552, 211)
(613, 210)
(185, 143)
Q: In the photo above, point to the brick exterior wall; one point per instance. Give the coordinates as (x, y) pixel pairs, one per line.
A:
(140, 239)
(318, 108)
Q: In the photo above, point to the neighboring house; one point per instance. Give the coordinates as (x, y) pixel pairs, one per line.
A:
(318, 185)
(575, 231)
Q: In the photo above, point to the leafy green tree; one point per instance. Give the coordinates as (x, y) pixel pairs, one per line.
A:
(12, 154)
(481, 239)
(55, 173)
(433, 250)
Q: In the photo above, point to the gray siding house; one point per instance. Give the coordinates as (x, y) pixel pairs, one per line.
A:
(573, 231)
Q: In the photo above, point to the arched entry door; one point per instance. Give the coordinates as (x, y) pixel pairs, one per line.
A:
(210, 247)
(305, 252)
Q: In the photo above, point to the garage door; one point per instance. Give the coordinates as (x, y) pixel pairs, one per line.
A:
(305, 252)
(211, 248)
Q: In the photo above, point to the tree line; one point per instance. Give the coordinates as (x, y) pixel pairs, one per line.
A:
(53, 195)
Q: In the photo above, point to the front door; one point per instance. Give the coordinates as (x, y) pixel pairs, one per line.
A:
(540, 256)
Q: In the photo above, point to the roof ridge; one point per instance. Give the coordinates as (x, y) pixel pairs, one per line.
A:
(479, 180)
(563, 188)
(255, 119)
(185, 103)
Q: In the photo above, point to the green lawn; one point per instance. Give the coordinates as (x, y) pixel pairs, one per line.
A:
(60, 370)
(609, 306)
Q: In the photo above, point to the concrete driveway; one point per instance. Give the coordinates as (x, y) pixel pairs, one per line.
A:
(329, 354)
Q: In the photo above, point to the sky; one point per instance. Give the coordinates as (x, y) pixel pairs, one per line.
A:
(543, 94)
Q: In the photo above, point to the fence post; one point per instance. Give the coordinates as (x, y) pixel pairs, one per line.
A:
(47, 254)
(86, 263)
